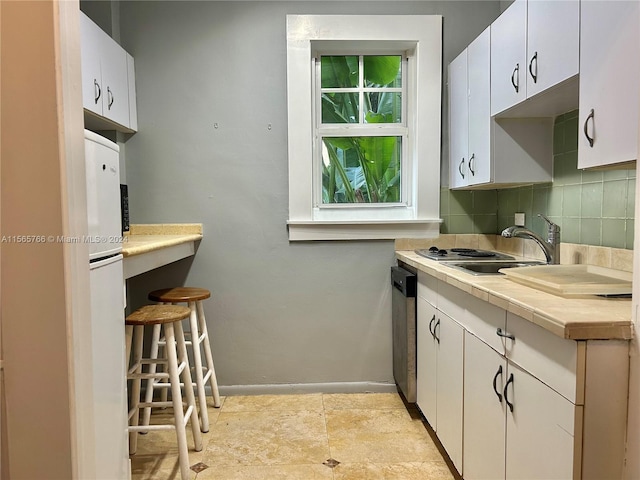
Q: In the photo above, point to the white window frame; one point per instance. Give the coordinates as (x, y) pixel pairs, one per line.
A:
(420, 36)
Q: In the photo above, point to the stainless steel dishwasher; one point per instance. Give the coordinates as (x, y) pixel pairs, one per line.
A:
(403, 321)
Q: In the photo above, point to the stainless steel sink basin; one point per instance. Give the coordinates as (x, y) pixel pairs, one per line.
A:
(489, 268)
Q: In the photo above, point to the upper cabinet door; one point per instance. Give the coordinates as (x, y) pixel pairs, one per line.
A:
(90, 58)
(458, 122)
(115, 103)
(609, 82)
(478, 65)
(553, 36)
(508, 57)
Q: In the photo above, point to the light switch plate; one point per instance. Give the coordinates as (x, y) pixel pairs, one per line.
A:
(519, 219)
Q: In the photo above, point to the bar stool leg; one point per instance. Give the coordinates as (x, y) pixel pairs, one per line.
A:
(176, 397)
(134, 415)
(213, 381)
(155, 338)
(197, 361)
(188, 386)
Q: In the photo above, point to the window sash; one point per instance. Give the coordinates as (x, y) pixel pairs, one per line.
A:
(362, 129)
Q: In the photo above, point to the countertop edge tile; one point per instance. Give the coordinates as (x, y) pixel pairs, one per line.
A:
(139, 244)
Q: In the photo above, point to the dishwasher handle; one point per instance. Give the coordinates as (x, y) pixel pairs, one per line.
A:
(404, 281)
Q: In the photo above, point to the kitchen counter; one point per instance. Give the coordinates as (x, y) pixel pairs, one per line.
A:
(573, 318)
(150, 246)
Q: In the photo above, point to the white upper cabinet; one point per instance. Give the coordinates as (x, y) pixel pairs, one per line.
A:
(485, 153)
(508, 57)
(108, 80)
(609, 83)
(534, 46)
(470, 116)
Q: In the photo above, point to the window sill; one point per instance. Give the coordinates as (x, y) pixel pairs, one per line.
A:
(303, 230)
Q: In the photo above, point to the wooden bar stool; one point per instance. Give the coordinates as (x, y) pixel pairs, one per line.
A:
(199, 341)
(170, 318)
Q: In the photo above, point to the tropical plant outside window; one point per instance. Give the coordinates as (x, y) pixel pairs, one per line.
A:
(360, 129)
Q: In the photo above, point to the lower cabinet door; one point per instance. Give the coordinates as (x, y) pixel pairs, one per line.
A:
(426, 360)
(450, 342)
(484, 411)
(540, 429)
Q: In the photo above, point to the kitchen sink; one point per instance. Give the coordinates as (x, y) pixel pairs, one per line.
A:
(489, 268)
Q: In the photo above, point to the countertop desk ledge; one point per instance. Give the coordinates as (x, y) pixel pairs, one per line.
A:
(150, 246)
(573, 318)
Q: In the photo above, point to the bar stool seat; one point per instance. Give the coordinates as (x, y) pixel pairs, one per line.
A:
(198, 339)
(170, 318)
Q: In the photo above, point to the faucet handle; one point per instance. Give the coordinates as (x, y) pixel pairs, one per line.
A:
(550, 225)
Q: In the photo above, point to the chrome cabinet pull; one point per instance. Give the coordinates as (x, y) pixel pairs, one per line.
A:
(502, 333)
(495, 380)
(514, 76)
(534, 75)
(96, 91)
(460, 167)
(473, 172)
(586, 123)
(506, 398)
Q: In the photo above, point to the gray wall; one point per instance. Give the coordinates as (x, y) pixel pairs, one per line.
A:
(281, 313)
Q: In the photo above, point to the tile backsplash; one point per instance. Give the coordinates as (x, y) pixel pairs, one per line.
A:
(591, 207)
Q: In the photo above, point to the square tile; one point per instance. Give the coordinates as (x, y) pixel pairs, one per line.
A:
(261, 403)
(376, 401)
(378, 436)
(613, 232)
(268, 437)
(614, 199)
(591, 231)
(393, 471)
(591, 200)
(571, 200)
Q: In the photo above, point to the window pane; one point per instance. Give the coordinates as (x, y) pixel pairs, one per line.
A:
(340, 108)
(361, 169)
(382, 70)
(339, 71)
(383, 107)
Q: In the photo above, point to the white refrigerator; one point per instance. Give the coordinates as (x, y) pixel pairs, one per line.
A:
(107, 307)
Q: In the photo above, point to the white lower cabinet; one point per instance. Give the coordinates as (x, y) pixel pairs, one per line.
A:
(440, 380)
(539, 429)
(484, 411)
(511, 400)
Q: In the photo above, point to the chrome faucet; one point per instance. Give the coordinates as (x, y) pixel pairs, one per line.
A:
(550, 246)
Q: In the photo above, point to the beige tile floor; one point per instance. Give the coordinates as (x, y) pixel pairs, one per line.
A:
(316, 436)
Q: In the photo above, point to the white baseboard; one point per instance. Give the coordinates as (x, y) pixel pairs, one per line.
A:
(299, 388)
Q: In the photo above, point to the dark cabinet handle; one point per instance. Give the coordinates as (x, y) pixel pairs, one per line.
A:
(506, 398)
(514, 76)
(460, 167)
(534, 75)
(473, 172)
(434, 331)
(96, 91)
(502, 333)
(495, 380)
(586, 123)
(433, 319)
(110, 97)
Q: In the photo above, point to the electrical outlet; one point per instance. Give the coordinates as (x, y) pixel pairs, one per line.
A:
(519, 219)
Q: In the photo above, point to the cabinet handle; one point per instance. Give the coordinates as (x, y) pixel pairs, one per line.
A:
(433, 319)
(534, 75)
(473, 172)
(460, 167)
(514, 76)
(434, 331)
(96, 91)
(495, 380)
(506, 398)
(110, 97)
(586, 123)
(502, 333)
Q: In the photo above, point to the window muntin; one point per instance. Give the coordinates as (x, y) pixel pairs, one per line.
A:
(360, 130)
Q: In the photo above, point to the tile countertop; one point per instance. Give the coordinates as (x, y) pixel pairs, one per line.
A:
(150, 237)
(573, 318)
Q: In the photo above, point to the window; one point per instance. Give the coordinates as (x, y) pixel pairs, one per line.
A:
(359, 129)
(364, 101)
